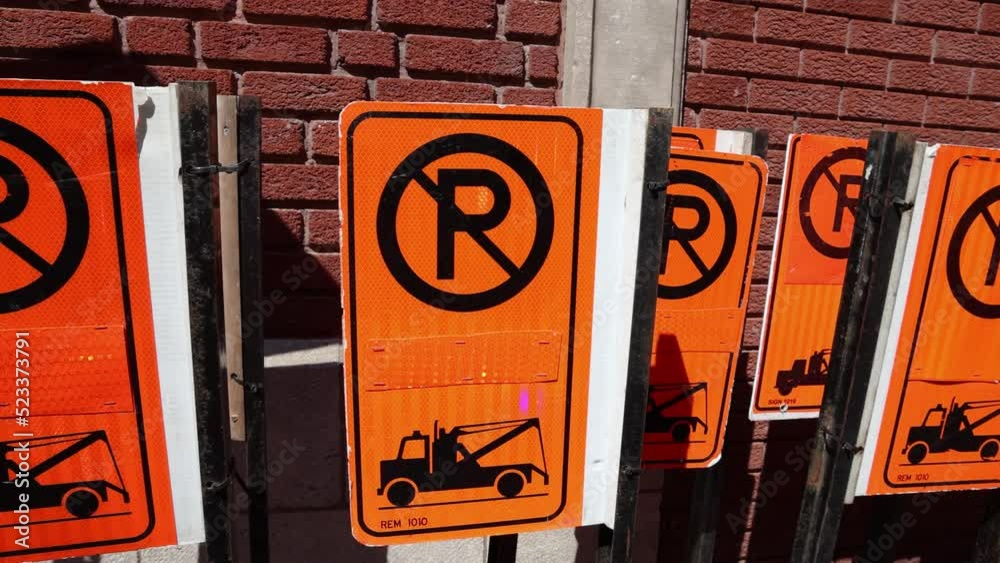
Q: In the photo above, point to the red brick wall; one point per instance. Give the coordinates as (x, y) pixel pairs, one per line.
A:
(306, 59)
(838, 67)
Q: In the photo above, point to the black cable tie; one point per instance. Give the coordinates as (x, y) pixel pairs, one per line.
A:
(216, 486)
(833, 442)
(215, 169)
(252, 387)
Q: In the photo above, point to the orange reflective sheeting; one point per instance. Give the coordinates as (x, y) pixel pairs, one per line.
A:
(693, 138)
(940, 429)
(478, 222)
(714, 206)
(80, 394)
(822, 183)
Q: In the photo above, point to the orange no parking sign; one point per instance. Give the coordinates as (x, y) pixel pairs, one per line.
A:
(714, 205)
(937, 419)
(816, 220)
(80, 415)
(469, 254)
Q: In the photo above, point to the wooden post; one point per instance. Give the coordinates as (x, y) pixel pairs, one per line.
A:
(196, 104)
(616, 546)
(229, 229)
(866, 284)
(250, 255)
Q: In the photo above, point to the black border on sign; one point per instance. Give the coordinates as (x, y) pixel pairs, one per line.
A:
(126, 304)
(680, 134)
(730, 369)
(761, 356)
(916, 332)
(352, 276)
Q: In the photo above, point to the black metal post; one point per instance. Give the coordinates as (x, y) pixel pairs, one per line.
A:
(196, 103)
(249, 129)
(502, 549)
(616, 547)
(873, 248)
(988, 540)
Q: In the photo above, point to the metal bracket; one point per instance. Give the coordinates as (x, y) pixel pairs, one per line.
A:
(833, 442)
(902, 205)
(252, 387)
(216, 486)
(215, 169)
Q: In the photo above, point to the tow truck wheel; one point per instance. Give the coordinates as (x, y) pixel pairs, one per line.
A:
(989, 450)
(401, 493)
(681, 432)
(785, 389)
(510, 484)
(82, 503)
(917, 453)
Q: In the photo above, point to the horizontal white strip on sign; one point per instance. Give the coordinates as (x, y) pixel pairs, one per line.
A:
(623, 149)
(163, 212)
(734, 142)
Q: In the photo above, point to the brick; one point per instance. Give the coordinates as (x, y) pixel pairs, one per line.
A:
(757, 60)
(795, 28)
(775, 166)
(186, 5)
(528, 97)
(986, 84)
(778, 126)
(164, 75)
(875, 37)
(957, 14)
(158, 36)
(402, 90)
(282, 228)
(721, 19)
(324, 229)
(981, 139)
(797, 97)
(690, 118)
(543, 64)
(466, 58)
(841, 68)
(304, 92)
(44, 30)
(924, 77)
(229, 41)
(447, 15)
(930, 135)
(836, 128)
(966, 48)
(989, 20)
(694, 54)
(311, 271)
(346, 11)
(883, 106)
(757, 299)
(751, 334)
(962, 113)
(716, 91)
(299, 183)
(324, 139)
(873, 9)
(283, 138)
(533, 20)
(367, 50)
(762, 261)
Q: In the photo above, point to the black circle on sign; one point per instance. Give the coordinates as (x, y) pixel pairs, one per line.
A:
(406, 173)
(55, 275)
(979, 208)
(709, 274)
(822, 169)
